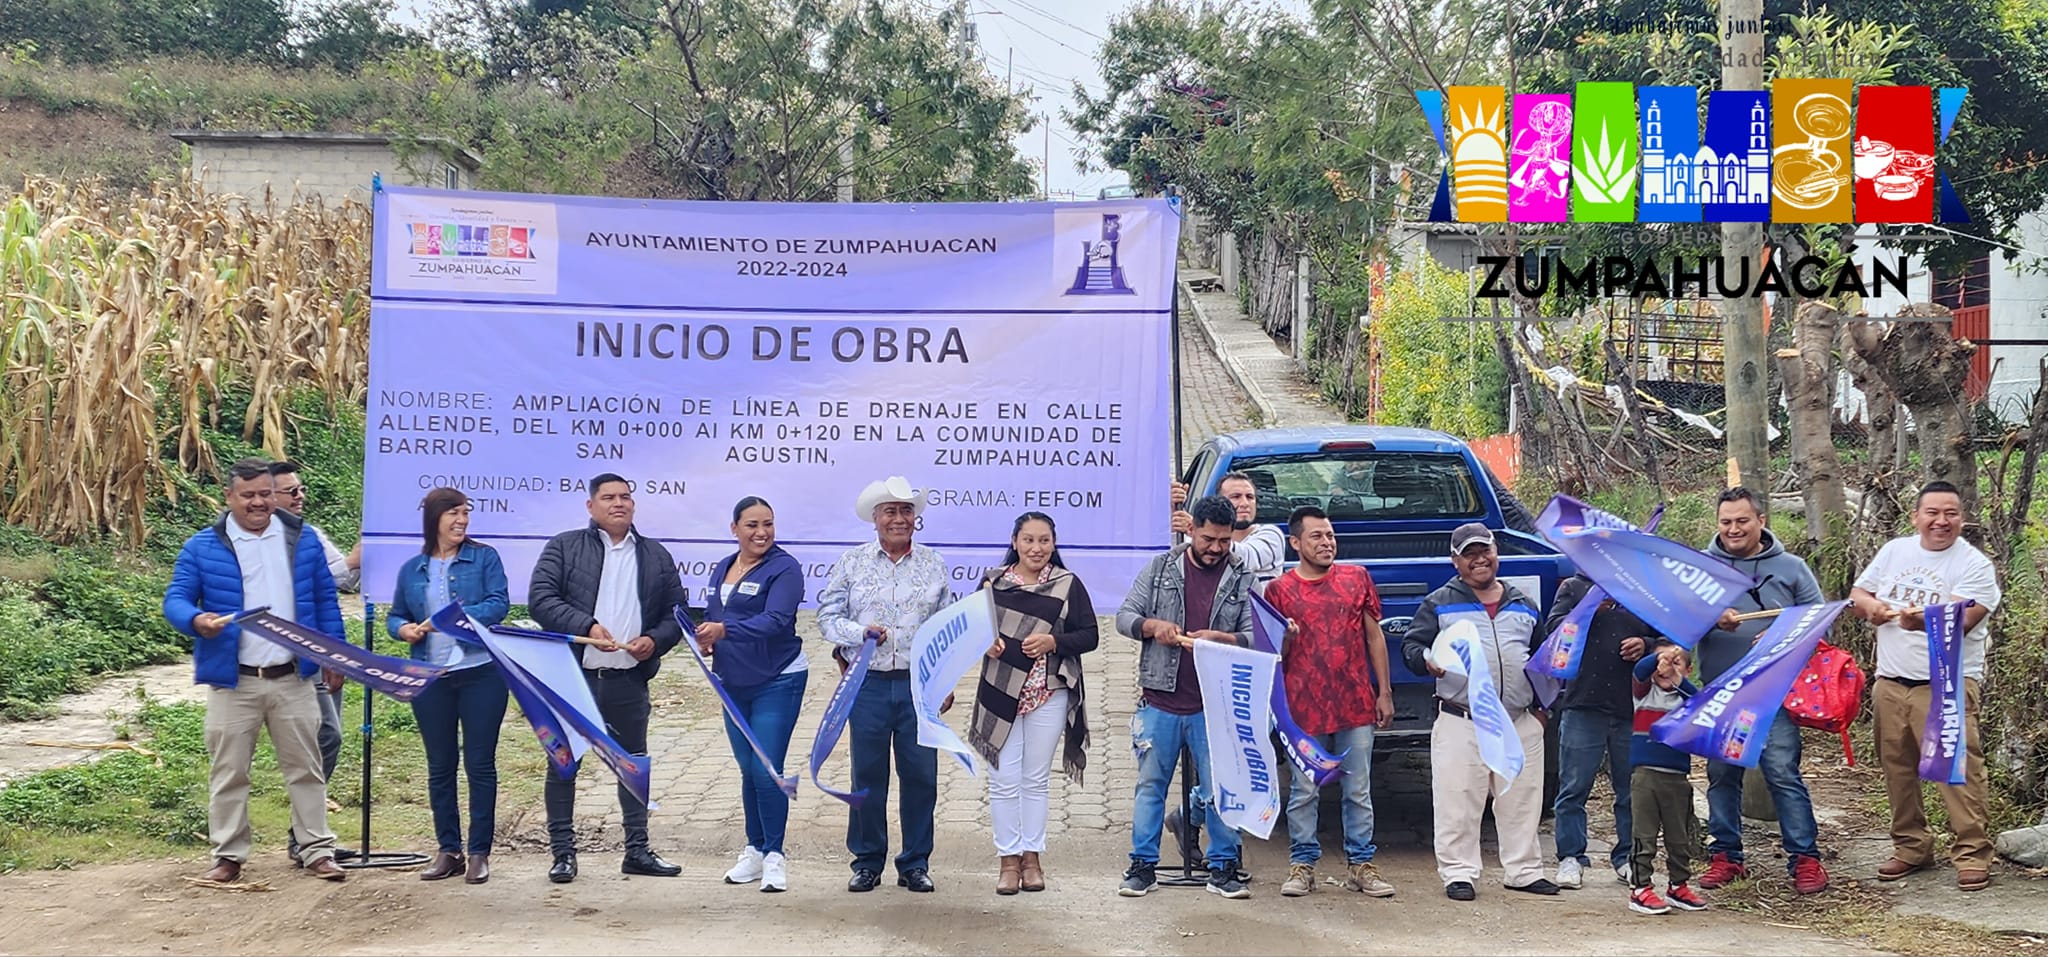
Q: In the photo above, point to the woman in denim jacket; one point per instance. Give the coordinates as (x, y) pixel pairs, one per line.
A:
(750, 631)
(470, 698)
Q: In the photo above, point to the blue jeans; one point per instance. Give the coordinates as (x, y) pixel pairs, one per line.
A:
(470, 701)
(1157, 737)
(770, 709)
(1780, 765)
(1584, 739)
(1303, 797)
(884, 723)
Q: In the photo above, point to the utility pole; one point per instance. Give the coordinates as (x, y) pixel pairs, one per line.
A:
(1009, 71)
(1746, 380)
(1045, 187)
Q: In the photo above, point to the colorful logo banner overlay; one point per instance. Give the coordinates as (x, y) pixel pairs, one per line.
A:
(1604, 157)
(1812, 150)
(1810, 166)
(1479, 153)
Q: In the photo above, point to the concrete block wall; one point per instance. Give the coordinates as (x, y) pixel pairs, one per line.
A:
(333, 172)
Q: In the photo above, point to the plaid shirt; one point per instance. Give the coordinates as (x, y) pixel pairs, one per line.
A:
(866, 588)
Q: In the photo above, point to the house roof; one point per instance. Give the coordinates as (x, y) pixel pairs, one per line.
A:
(447, 147)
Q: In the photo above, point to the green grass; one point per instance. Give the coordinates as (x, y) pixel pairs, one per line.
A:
(127, 806)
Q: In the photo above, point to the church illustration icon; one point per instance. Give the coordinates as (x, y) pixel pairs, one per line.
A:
(1735, 175)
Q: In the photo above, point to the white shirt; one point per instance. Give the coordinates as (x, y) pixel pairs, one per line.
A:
(1904, 574)
(802, 662)
(345, 578)
(618, 601)
(1262, 550)
(266, 580)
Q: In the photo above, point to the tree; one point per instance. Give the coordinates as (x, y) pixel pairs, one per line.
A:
(348, 34)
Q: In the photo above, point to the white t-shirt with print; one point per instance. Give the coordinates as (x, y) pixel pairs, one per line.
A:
(1906, 575)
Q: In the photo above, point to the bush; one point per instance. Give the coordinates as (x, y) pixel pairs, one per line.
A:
(126, 791)
(1436, 374)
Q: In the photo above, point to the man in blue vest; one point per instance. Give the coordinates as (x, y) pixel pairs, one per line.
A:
(257, 555)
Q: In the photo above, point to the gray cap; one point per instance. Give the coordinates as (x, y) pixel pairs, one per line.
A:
(1468, 534)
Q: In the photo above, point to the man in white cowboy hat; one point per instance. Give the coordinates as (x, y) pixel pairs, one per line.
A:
(881, 591)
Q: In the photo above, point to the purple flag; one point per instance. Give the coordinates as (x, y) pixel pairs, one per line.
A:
(1308, 757)
(1677, 590)
(1560, 655)
(787, 782)
(1730, 719)
(837, 711)
(556, 714)
(401, 678)
(1942, 755)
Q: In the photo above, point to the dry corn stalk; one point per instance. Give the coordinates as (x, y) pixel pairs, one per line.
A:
(125, 322)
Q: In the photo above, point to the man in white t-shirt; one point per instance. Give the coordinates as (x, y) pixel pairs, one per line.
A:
(1910, 573)
(1261, 547)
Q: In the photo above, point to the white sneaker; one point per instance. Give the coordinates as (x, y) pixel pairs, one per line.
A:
(774, 873)
(1621, 875)
(747, 869)
(1571, 875)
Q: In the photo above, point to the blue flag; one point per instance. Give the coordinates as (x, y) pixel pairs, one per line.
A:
(787, 782)
(552, 692)
(1677, 590)
(1943, 756)
(401, 678)
(1730, 719)
(1303, 752)
(837, 711)
(1561, 654)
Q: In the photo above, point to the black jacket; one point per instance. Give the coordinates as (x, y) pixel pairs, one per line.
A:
(1603, 681)
(563, 595)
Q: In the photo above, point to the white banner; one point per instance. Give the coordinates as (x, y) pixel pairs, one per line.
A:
(1500, 746)
(947, 646)
(1237, 710)
(1003, 357)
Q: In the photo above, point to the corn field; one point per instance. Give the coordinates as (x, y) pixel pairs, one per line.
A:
(126, 320)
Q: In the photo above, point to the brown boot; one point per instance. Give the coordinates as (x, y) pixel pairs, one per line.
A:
(1030, 876)
(224, 872)
(446, 864)
(1006, 882)
(479, 869)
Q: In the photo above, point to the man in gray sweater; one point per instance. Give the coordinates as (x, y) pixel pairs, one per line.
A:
(1783, 580)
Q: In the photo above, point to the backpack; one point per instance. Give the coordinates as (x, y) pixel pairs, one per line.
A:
(1828, 694)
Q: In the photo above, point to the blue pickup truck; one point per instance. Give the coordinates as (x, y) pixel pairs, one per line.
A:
(1393, 495)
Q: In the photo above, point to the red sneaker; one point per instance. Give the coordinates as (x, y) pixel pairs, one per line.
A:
(1645, 901)
(1723, 870)
(1685, 898)
(1808, 877)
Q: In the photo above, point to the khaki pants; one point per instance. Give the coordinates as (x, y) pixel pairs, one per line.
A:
(1901, 715)
(1459, 786)
(234, 718)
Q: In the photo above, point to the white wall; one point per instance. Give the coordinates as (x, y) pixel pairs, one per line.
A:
(2019, 296)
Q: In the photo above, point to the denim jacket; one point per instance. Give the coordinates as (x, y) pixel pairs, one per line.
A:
(476, 578)
(1158, 593)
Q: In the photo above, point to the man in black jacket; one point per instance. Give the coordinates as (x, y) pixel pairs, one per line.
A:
(1596, 715)
(607, 583)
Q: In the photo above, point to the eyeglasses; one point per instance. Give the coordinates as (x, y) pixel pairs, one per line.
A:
(299, 492)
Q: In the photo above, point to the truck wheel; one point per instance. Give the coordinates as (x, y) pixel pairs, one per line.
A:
(1511, 510)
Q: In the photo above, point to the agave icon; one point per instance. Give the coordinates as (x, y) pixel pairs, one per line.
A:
(1608, 175)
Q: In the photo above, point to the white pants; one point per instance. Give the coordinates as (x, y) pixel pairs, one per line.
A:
(1017, 785)
(1459, 786)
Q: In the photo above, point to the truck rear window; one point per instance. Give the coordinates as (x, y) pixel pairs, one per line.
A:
(1364, 486)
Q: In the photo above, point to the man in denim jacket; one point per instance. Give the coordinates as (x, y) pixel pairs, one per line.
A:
(1201, 583)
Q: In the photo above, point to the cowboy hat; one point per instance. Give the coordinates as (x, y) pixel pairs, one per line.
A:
(895, 488)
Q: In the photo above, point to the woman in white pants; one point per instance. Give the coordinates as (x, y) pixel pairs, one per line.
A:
(1030, 694)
